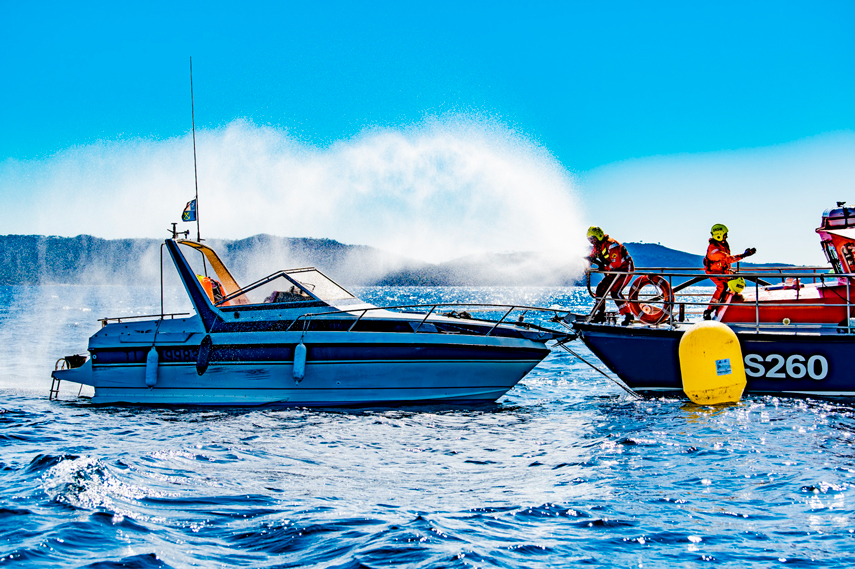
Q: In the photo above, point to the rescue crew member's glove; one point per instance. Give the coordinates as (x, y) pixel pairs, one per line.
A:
(748, 252)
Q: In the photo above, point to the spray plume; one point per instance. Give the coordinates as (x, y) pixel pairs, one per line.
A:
(441, 190)
(435, 191)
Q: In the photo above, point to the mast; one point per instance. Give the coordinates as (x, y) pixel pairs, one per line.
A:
(195, 171)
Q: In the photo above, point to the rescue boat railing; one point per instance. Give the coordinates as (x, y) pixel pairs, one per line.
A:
(771, 272)
(788, 277)
(556, 315)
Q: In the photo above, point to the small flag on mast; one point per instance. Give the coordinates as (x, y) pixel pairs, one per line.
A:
(189, 211)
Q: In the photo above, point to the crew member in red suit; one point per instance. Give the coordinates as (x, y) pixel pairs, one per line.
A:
(609, 255)
(718, 262)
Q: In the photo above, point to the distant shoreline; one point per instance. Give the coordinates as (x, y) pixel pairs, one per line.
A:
(88, 260)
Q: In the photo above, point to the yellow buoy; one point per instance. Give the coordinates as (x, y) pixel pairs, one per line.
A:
(711, 364)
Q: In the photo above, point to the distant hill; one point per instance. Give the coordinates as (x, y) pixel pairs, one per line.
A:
(654, 255)
(490, 269)
(37, 259)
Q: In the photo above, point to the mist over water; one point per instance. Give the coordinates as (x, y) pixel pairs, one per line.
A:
(39, 325)
(433, 191)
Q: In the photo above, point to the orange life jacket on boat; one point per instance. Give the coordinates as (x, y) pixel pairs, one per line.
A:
(213, 289)
(612, 255)
(719, 259)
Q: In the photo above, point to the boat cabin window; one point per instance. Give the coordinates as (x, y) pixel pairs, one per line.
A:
(848, 251)
(293, 294)
(831, 255)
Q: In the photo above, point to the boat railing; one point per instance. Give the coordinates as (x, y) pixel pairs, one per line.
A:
(684, 303)
(557, 314)
(119, 319)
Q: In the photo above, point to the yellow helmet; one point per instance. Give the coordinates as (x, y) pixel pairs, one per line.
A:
(596, 232)
(736, 285)
(718, 231)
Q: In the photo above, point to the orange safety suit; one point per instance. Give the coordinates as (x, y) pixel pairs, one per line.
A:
(610, 255)
(717, 262)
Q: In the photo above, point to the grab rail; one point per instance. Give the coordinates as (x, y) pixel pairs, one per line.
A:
(106, 320)
(509, 308)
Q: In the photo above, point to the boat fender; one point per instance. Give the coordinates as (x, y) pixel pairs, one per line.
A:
(649, 313)
(151, 367)
(204, 355)
(711, 364)
(299, 370)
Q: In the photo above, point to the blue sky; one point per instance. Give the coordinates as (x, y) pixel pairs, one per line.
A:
(599, 87)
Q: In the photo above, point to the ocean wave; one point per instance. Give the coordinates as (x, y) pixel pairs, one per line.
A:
(143, 561)
(85, 483)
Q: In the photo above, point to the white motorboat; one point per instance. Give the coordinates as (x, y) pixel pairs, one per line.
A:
(297, 338)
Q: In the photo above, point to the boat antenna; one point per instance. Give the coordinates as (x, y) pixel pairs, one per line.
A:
(195, 171)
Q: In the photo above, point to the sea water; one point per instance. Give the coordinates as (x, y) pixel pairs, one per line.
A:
(564, 470)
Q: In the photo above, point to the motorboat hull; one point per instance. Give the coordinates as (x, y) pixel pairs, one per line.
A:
(341, 369)
(810, 363)
(325, 384)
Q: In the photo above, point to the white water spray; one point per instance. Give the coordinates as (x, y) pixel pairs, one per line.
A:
(435, 191)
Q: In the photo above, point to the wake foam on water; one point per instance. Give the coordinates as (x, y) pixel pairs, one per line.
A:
(85, 483)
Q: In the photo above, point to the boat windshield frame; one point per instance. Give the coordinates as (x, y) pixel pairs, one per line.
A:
(305, 288)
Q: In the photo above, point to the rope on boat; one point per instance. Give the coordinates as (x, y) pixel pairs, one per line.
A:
(616, 381)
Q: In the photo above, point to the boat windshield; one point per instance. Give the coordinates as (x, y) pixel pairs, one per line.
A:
(291, 286)
(319, 285)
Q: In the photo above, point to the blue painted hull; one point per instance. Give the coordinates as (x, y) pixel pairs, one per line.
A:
(342, 384)
(646, 359)
(341, 368)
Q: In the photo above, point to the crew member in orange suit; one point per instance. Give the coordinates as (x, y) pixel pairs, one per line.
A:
(718, 262)
(609, 255)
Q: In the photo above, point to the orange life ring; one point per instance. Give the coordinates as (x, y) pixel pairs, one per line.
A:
(648, 313)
